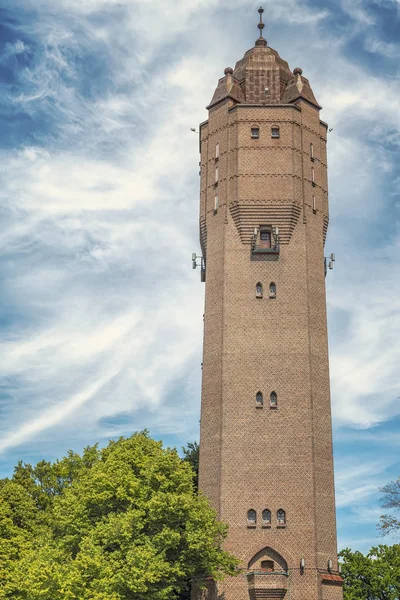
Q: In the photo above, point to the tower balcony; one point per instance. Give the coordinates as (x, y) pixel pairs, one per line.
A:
(267, 584)
(265, 241)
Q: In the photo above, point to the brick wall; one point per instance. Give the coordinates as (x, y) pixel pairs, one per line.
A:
(267, 458)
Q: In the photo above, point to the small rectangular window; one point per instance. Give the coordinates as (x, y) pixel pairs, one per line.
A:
(314, 204)
(255, 132)
(217, 151)
(215, 202)
(265, 238)
(275, 132)
(216, 174)
(312, 151)
(267, 565)
(313, 176)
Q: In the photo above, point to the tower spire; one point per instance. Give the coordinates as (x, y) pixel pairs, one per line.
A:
(261, 41)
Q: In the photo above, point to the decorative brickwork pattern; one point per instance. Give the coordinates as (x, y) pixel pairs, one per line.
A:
(255, 457)
(248, 215)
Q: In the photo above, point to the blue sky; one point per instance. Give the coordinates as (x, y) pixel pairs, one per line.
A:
(101, 314)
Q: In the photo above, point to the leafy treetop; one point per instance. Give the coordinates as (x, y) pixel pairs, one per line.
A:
(124, 522)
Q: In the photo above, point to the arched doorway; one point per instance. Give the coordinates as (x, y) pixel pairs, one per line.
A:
(267, 575)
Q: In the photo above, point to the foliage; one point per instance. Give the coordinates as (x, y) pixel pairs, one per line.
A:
(390, 499)
(120, 523)
(375, 576)
(192, 455)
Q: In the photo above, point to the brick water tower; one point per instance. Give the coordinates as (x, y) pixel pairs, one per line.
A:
(266, 435)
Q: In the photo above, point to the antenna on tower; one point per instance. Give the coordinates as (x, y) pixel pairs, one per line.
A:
(329, 260)
(201, 264)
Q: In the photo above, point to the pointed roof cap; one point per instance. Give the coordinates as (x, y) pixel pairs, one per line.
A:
(299, 87)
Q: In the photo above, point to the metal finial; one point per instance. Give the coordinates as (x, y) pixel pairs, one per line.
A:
(261, 41)
(261, 25)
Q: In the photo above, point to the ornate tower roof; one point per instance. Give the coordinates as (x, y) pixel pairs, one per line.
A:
(263, 77)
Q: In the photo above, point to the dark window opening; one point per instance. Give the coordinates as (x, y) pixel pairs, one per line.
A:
(259, 290)
(265, 238)
(259, 399)
(266, 516)
(281, 517)
(251, 518)
(275, 132)
(255, 132)
(267, 565)
(273, 400)
(272, 290)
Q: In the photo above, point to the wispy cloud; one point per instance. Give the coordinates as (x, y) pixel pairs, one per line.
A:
(99, 201)
(358, 11)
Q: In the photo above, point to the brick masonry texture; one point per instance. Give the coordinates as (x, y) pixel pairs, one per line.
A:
(267, 458)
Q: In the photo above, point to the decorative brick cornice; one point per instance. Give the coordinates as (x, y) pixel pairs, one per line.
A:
(248, 214)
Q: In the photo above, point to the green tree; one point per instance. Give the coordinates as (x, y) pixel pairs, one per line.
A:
(18, 522)
(390, 499)
(47, 480)
(123, 523)
(375, 576)
(192, 455)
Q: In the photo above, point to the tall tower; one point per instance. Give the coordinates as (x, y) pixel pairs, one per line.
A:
(266, 435)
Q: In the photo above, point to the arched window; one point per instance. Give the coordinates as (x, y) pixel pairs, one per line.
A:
(275, 132)
(251, 518)
(273, 400)
(266, 517)
(281, 517)
(272, 290)
(259, 290)
(259, 399)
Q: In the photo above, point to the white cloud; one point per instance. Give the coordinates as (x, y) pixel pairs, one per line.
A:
(102, 220)
(356, 481)
(357, 11)
(377, 46)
